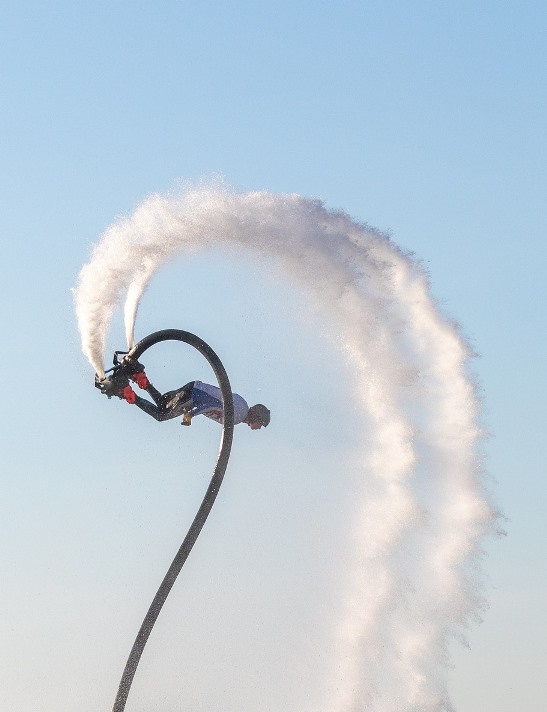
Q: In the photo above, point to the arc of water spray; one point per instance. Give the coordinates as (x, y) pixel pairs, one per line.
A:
(423, 511)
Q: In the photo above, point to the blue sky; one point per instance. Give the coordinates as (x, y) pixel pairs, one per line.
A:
(425, 120)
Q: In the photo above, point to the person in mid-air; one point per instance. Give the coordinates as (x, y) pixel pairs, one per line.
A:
(195, 398)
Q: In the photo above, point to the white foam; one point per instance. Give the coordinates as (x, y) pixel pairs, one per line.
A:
(422, 510)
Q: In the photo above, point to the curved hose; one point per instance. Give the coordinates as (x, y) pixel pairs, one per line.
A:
(204, 509)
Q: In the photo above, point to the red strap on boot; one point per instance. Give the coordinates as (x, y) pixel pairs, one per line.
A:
(140, 379)
(129, 394)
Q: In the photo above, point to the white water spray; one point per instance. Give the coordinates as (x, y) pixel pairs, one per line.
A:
(423, 511)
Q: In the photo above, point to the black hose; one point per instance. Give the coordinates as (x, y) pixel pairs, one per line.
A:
(203, 511)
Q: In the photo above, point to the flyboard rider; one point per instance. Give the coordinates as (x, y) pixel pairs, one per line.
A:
(195, 398)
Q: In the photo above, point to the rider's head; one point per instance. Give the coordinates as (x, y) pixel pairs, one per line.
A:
(257, 416)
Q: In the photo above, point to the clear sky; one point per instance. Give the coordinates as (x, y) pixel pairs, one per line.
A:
(425, 120)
